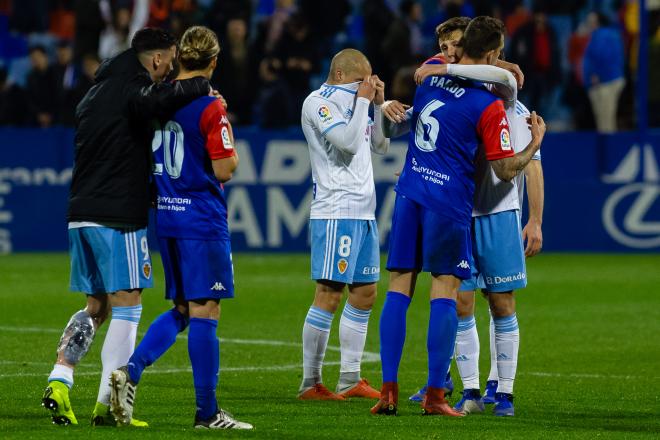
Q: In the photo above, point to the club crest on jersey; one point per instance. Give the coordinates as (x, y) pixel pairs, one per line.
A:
(226, 140)
(342, 265)
(505, 140)
(324, 114)
(146, 270)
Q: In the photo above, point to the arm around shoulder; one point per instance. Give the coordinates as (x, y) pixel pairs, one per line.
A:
(162, 99)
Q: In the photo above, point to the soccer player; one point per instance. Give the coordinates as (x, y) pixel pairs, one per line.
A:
(497, 206)
(449, 34)
(432, 214)
(108, 205)
(345, 249)
(194, 155)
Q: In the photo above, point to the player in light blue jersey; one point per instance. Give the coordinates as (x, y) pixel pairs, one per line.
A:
(193, 156)
(431, 222)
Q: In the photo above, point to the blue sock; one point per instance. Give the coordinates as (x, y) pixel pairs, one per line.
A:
(392, 333)
(159, 338)
(204, 353)
(441, 339)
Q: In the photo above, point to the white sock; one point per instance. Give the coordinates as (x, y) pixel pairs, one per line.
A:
(352, 337)
(507, 340)
(492, 375)
(467, 352)
(316, 331)
(62, 373)
(118, 345)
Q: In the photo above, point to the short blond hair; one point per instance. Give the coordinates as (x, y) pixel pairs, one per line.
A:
(348, 61)
(198, 46)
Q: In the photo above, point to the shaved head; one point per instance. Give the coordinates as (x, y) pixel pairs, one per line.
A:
(349, 65)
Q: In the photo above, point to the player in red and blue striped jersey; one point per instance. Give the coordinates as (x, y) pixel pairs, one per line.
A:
(193, 156)
(435, 192)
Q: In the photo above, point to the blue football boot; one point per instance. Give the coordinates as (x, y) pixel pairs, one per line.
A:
(449, 386)
(449, 389)
(419, 395)
(489, 394)
(470, 403)
(503, 404)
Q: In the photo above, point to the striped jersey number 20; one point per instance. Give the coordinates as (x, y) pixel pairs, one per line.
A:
(428, 127)
(169, 137)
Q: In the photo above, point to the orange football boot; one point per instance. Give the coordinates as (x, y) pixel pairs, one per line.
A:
(435, 404)
(361, 389)
(319, 392)
(389, 399)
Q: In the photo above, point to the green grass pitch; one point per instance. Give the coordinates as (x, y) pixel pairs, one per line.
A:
(589, 358)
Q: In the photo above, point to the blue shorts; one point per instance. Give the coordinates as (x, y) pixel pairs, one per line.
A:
(499, 256)
(422, 239)
(106, 260)
(345, 251)
(197, 269)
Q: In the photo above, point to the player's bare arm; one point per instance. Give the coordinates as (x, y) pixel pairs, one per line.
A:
(515, 71)
(507, 168)
(217, 94)
(532, 232)
(395, 111)
(426, 70)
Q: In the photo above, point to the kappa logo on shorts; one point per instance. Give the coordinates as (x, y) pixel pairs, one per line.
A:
(342, 265)
(463, 264)
(146, 270)
(218, 286)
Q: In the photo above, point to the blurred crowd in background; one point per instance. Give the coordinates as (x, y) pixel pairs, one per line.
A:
(274, 52)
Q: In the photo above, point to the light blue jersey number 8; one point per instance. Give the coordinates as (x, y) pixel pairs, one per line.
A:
(170, 137)
(428, 127)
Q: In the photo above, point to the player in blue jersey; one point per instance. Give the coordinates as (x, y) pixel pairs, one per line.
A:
(432, 214)
(503, 84)
(499, 258)
(193, 156)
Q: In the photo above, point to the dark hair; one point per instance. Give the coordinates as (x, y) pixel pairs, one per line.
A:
(444, 29)
(62, 44)
(38, 48)
(482, 35)
(603, 20)
(152, 39)
(406, 7)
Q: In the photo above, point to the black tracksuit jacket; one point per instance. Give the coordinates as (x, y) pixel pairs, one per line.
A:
(112, 161)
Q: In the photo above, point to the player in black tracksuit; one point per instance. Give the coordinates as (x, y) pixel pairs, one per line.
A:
(108, 208)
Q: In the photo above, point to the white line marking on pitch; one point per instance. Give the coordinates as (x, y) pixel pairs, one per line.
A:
(368, 357)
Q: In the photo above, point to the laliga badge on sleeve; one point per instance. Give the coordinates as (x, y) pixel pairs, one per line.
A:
(324, 114)
(505, 140)
(226, 140)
